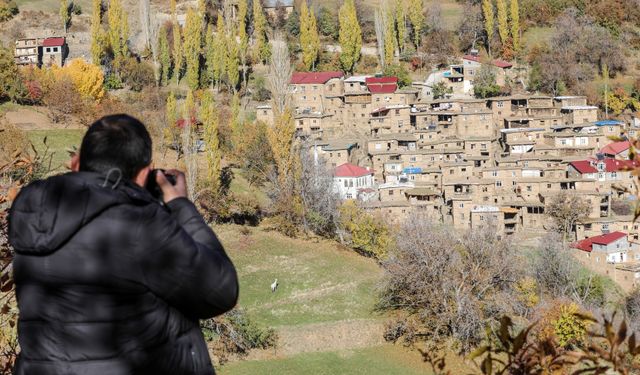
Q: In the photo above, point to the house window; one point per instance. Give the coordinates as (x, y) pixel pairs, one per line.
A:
(528, 187)
(397, 112)
(390, 192)
(494, 174)
(500, 104)
(548, 186)
(346, 184)
(48, 49)
(498, 183)
(364, 106)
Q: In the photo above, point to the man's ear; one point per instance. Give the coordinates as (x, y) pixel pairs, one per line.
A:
(141, 178)
(74, 162)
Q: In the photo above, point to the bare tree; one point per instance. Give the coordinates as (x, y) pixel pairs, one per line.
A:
(280, 71)
(319, 200)
(448, 285)
(565, 209)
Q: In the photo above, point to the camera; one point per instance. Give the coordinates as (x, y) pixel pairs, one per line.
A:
(153, 187)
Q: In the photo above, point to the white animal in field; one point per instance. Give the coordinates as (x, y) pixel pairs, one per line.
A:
(274, 286)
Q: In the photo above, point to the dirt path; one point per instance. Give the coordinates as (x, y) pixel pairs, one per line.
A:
(37, 119)
(323, 337)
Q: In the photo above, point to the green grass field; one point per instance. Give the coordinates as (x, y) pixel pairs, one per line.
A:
(58, 141)
(318, 281)
(51, 5)
(387, 359)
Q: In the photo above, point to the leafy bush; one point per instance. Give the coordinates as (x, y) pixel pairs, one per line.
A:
(398, 70)
(137, 75)
(365, 232)
(234, 333)
(8, 9)
(113, 82)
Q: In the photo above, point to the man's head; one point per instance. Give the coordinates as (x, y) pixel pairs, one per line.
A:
(117, 142)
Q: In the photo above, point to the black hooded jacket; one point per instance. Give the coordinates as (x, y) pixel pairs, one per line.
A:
(110, 282)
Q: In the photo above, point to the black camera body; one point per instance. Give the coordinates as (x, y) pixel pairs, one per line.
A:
(153, 187)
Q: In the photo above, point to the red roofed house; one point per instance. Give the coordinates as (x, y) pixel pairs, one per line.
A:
(607, 248)
(353, 182)
(606, 170)
(473, 63)
(311, 90)
(53, 51)
(610, 255)
(617, 150)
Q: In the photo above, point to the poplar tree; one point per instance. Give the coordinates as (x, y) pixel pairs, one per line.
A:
(178, 58)
(219, 52)
(192, 44)
(232, 62)
(236, 125)
(503, 21)
(64, 14)
(209, 55)
(97, 47)
(189, 144)
(118, 29)
(416, 17)
(261, 47)
(280, 137)
(515, 24)
(401, 24)
(487, 13)
(165, 56)
(389, 37)
(243, 37)
(209, 118)
(350, 36)
(171, 130)
(309, 38)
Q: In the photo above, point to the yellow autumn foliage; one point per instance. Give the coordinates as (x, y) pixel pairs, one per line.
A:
(86, 77)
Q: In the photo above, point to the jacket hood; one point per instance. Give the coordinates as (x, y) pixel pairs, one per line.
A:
(47, 213)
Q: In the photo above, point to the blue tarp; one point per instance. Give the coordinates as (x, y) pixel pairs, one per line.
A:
(608, 122)
(412, 170)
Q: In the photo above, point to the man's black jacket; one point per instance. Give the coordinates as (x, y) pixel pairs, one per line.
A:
(109, 282)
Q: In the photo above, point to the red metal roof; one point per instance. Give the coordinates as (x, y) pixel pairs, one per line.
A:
(616, 148)
(611, 165)
(301, 78)
(499, 63)
(382, 85)
(350, 170)
(605, 239)
(53, 42)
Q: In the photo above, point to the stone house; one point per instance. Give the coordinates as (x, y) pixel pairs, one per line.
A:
(336, 152)
(274, 9)
(309, 89)
(54, 51)
(28, 51)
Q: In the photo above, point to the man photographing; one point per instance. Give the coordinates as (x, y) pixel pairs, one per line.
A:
(108, 280)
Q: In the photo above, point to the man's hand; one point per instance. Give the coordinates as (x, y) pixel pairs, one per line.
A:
(171, 192)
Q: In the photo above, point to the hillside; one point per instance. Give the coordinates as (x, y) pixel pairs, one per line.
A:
(323, 309)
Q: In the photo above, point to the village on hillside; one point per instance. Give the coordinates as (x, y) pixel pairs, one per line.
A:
(466, 161)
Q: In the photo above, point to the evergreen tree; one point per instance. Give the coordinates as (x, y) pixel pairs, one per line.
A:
(401, 24)
(389, 37)
(219, 54)
(192, 46)
(65, 17)
(118, 29)
(350, 36)
(309, 38)
(209, 118)
(515, 25)
(487, 13)
(165, 56)
(503, 21)
(416, 17)
(97, 47)
(232, 62)
(261, 47)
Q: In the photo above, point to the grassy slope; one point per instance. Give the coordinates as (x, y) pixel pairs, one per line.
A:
(318, 281)
(58, 141)
(388, 360)
(50, 5)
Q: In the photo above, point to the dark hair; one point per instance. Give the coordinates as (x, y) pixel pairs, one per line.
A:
(116, 141)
